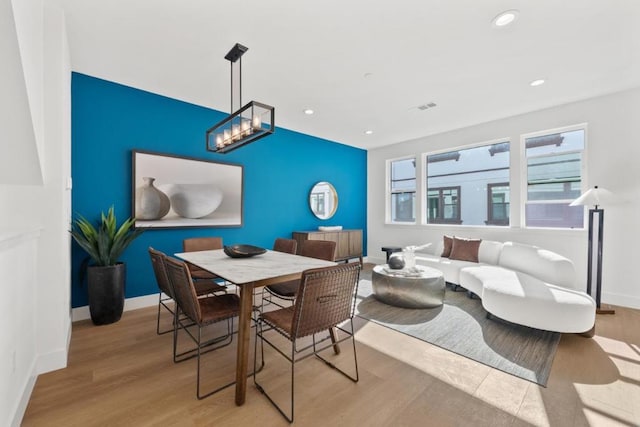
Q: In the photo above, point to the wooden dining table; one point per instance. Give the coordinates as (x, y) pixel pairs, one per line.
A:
(249, 273)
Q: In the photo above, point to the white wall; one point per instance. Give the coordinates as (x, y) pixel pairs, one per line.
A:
(42, 294)
(18, 255)
(613, 151)
(31, 41)
(19, 163)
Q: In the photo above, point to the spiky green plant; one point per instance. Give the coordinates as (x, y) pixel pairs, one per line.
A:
(106, 242)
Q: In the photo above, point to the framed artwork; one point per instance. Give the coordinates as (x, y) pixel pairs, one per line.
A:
(174, 191)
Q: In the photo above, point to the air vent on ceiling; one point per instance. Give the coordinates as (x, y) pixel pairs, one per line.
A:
(426, 106)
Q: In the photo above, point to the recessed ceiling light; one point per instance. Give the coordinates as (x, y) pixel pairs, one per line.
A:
(368, 132)
(308, 111)
(537, 82)
(505, 18)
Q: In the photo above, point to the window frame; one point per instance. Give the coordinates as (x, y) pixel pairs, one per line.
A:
(424, 215)
(524, 173)
(440, 219)
(490, 219)
(389, 192)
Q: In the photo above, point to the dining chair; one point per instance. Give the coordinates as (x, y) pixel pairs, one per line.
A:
(200, 312)
(165, 294)
(288, 246)
(326, 299)
(320, 249)
(195, 244)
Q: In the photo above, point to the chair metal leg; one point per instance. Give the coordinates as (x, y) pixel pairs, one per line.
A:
(177, 357)
(259, 332)
(161, 303)
(158, 320)
(200, 346)
(293, 381)
(293, 361)
(355, 358)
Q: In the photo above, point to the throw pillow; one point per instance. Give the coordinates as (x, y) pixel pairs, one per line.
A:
(465, 249)
(448, 242)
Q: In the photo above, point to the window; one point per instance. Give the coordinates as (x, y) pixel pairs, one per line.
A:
(469, 186)
(443, 205)
(403, 190)
(317, 203)
(498, 204)
(554, 179)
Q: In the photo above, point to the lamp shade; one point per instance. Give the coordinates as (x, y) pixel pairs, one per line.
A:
(593, 197)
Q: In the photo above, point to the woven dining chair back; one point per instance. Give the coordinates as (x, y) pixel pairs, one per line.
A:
(198, 274)
(320, 249)
(325, 299)
(157, 262)
(195, 244)
(165, 296)
(288, 246)
(184, 291)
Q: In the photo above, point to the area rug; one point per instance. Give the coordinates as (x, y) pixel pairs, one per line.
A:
(461, 326)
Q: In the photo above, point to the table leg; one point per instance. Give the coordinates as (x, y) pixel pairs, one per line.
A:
(244, 336)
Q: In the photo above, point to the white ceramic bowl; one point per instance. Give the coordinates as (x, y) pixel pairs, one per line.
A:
(193, 200)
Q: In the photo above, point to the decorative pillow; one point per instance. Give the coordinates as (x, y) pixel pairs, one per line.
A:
(448, 241)
(465, 249)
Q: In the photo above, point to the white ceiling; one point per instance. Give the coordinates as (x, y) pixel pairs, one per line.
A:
(363, 64)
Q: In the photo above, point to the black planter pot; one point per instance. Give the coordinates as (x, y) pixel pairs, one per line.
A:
(106, 293)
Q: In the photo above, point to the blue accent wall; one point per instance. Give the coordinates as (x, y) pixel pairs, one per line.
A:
(110, 120)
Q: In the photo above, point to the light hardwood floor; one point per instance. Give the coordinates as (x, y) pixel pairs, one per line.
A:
(123, 375)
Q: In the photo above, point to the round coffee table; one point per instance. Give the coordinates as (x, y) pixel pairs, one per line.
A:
(422, 287)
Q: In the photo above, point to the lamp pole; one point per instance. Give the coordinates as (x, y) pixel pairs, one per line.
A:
(600, 214)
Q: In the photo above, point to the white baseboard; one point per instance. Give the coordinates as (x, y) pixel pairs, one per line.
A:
(21, 407)
(52, 361)
(82, 313)
(621, 300)
(56, 359)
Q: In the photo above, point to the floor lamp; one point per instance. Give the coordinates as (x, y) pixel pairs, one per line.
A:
(594, 197)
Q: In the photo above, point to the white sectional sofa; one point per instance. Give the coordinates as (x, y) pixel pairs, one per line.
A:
(521, 284)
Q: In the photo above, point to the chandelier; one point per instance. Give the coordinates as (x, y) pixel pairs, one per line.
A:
(253, 121)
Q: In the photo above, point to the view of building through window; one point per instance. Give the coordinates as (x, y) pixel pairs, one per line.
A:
(443, 205)
(498, 204)
(469, 186)
(554, 177)
(403, 190)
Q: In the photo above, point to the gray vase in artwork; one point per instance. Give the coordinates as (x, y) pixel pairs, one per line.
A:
(151, 203)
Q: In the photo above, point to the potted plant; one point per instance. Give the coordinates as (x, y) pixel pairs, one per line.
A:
(105, 275)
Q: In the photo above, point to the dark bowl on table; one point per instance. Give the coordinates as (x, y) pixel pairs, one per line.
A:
(243, 251)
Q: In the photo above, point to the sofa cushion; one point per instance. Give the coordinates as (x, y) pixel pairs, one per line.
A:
(450, 268)
(465, 249)
(545, 265)
(447, 243)
(489, 252)
(472, 277)
(521, 298)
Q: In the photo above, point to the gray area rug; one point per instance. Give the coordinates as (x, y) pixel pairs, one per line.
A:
(461, 326)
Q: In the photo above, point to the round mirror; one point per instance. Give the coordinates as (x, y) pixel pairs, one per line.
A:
(323, 200)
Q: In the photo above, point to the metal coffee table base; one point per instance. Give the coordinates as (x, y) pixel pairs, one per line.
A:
(424, 291)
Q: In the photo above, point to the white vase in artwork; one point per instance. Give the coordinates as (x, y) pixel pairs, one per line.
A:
(194, 200)
(151, 203)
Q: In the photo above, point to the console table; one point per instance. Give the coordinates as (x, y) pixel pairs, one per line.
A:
(348, 242)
